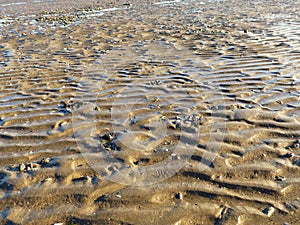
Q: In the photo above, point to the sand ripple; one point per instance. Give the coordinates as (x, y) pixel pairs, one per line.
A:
(171, 113)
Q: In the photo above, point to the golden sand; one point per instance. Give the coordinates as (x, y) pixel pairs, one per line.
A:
(181, 112)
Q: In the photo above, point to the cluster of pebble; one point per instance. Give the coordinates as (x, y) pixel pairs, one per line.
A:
(107, 142)
(32, 166)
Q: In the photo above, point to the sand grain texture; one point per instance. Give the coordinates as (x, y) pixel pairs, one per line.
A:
(181, 112)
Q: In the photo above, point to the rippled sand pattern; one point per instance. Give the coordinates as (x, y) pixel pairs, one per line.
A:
(182, 112)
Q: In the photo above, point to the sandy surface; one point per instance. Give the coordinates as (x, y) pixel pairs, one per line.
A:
(182, 112)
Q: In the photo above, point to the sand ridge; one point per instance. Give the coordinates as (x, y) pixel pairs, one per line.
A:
(184, 112)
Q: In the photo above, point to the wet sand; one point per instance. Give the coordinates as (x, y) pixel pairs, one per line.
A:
(180, 112)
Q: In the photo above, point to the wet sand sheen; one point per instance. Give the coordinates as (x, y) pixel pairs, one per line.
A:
(171, 113)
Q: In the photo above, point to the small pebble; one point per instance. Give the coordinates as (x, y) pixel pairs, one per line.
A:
(280, 178)
(62, 105)
(167, 143)
(33, 166)
(63, 124)
(174, 124)
(22, 167)
(88, 178)
(111, 136)
(295, 144)
(179, 196)
(269, 211)
(45, 161)
(163, 118)
(118, 196)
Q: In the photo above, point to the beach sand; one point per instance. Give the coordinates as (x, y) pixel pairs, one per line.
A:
(181, 112)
